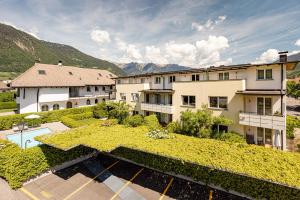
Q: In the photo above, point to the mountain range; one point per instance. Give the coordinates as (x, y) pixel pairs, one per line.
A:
(20, 50)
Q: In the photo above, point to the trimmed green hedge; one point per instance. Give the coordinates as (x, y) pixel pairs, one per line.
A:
(6, 122)
(7, 96)
(8, 105)
(17, 165)
(74, 121)
(260, 189)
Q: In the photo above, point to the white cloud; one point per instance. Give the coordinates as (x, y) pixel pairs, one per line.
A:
(268, 56)
(100, 36)
(209, 24)
(297, 43)
(130, 52)
(184, 53)
(153, 54)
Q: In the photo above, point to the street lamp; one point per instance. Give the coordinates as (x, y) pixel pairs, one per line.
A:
(27, 141)
(21, 127)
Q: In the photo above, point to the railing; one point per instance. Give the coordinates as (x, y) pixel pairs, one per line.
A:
(263, 121)
(169, 109)
(87, 96)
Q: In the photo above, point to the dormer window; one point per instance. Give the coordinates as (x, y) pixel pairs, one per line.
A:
(42, 72)
(70, 73)
(99, 74)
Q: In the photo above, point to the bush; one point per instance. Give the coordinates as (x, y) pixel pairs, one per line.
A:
(17, 165)
(291, 124)
(109, 122)
(73, 121)
(152, 122)
(134, 121)
(230, 137)
(8, 105)
(7, 96)
(119, 111)
(159, 134)
(174, 127)
(6, 122)
(100, 111)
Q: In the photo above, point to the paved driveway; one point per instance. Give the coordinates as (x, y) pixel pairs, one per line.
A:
(108, 178)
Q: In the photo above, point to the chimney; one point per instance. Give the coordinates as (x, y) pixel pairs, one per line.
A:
(60, 63)
(283, 56)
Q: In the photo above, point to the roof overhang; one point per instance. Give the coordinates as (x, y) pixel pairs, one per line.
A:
(157, 91)
(261, 92)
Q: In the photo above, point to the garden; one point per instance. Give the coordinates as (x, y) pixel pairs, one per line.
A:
(190, 147)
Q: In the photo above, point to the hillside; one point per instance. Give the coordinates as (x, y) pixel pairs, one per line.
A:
(19, 50)
(140, 68)
(296, 71)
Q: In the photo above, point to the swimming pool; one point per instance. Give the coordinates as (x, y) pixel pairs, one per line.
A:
(28, 136)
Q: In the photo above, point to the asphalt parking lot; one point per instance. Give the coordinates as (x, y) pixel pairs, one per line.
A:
(108, 178)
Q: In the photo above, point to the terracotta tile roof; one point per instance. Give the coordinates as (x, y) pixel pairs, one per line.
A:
(46, 75)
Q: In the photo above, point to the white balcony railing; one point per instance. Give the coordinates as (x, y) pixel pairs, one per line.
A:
(263, 121)
(158, 108)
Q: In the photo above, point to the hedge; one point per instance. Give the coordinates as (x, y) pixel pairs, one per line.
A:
(74, 121)
(6, 122)
(7, 96)
(224, 162)
(18, 165)
(8, 105)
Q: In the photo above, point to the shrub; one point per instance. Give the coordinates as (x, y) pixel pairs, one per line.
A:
(291, 124)
(152, 122)
(119, 111)
(159, 134)
(134, 120)
(230, 137)
(7, 96)
(109, 122)
(100, 111)
(8, 105)
(174, 127)
(6, 122)
(73, 121)
(17, 165)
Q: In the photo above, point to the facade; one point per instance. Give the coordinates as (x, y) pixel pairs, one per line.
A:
(253, 96)
(46, 87)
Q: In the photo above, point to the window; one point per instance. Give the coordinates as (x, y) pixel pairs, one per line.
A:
(42, 72)
(218, 102)
(123, 96)
(224, 76)
(264, 136)
(96, 88)
(189, 101)
(264, 74)
(88, 102)
(142, 80)
(88, 88)
(96, 101)
(119, 81)
(55, 107)
(111, 87)
(172, 79)
(70, 73)
(264, 106)
(135, 112)
(99, 74)
(157, 80)
(45, 108)
(195, 77)
(103, 88)
(135, 97)
(24, 93)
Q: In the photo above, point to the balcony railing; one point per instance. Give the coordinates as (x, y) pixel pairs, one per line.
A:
(87, 96)
(169, 109)
(263, 121)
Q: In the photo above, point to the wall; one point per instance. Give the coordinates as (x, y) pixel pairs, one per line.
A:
(202, 91)
(29, 103)
(53, 94)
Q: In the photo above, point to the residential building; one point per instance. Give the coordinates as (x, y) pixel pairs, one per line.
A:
(253, 96)
(46, 87)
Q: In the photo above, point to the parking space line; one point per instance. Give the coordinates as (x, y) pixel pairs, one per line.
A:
(84, 185)
(46, 194)
(127, 183)
(29, 194)
(166, 189)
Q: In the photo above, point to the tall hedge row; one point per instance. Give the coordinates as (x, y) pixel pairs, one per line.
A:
(256, 188)
(6, 122)
(8, 105)
(7, 96)
(17, 165)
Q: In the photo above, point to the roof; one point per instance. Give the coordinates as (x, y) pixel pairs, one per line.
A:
(46, 75)
(260, 92)
(3, 86)
(289, 65)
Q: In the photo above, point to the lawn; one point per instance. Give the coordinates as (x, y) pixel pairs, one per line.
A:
(251, 160)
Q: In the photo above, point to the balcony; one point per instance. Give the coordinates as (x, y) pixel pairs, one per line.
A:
(169, 109)
(263, 121)
(86, 96)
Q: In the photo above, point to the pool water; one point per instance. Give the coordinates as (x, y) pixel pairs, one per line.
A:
(28, 136)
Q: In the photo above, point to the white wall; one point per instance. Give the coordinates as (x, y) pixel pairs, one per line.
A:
(53, 94)
(28, 103)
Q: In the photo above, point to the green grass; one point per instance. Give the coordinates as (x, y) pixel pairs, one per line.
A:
(7, 110)
(251, 160)
(89, 121)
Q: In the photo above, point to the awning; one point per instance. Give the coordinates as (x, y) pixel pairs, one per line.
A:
(158, 91)
(260, 92)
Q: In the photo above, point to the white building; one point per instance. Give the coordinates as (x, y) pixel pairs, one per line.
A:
(253, 96)
(46, 87)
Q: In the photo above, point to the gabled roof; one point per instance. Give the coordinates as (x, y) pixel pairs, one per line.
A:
(46, 75)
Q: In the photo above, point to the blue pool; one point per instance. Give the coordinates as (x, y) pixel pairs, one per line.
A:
(28, 136)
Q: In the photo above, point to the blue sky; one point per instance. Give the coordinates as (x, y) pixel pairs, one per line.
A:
(193, 33)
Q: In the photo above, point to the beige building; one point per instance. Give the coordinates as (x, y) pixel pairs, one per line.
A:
(253, 96)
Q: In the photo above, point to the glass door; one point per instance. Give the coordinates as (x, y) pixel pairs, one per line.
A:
(264, 106)
(260, 106)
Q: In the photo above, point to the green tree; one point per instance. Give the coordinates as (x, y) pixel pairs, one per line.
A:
(293, 89)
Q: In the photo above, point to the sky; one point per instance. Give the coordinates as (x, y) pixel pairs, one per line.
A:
(197, 33)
